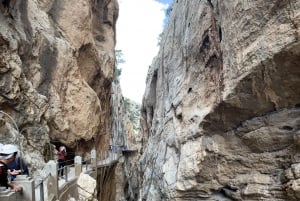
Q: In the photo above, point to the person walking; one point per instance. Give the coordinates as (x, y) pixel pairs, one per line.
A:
(61, 155)
(8, 154)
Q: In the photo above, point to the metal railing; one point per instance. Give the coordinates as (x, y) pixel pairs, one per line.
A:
(66, 169)
(108, 157)
(40, 184)
(42, 193)
(67, 184)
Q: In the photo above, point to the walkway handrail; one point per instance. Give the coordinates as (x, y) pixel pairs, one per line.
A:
(42, 180)
(41, 185)
(60, 188)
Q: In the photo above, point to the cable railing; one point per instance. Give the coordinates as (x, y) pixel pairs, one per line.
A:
(60, 187)
(65, 177)
(37, 190)
(70, 171)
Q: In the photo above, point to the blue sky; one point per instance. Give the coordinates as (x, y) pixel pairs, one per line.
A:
(139, 25)
(165, 1)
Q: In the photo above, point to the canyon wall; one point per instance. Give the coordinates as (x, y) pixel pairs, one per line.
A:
(124, 137)
(221, 111)
(57, 64)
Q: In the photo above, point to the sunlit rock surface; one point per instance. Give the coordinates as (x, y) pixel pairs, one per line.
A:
(221, 111)
(56, 69)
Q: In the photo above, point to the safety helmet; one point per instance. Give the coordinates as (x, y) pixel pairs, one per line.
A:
(8, 149)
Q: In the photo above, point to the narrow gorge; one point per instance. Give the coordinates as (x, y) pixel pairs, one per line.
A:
(220, 117)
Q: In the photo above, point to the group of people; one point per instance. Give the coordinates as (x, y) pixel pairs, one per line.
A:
(10, 165)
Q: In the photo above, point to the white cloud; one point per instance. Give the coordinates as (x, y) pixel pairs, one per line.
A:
(139, 24)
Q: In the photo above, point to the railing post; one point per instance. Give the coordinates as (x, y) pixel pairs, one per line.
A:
(27, 183)
(93, 159)
(52, 183)
(66, 172)
(42, 197)
(78, 165)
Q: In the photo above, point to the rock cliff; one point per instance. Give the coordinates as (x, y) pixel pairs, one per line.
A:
(56, 68)
(221, 111)
(124, 136)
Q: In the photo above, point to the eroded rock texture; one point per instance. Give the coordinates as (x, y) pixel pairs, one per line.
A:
(221, 116)
(124, 178)
(56, 69)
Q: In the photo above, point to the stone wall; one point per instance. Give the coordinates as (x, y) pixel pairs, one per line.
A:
(221, 108)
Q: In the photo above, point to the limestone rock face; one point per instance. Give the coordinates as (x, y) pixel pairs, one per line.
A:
(221, 114)
(56, 68)
(125, 178)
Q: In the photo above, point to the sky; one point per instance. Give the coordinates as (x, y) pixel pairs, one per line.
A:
(139, 24)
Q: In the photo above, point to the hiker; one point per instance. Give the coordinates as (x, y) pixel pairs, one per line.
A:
(8, 154)
(62, 153)
(17, 167)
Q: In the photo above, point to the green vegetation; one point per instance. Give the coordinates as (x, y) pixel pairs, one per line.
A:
(133, 110)
(119, 60)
